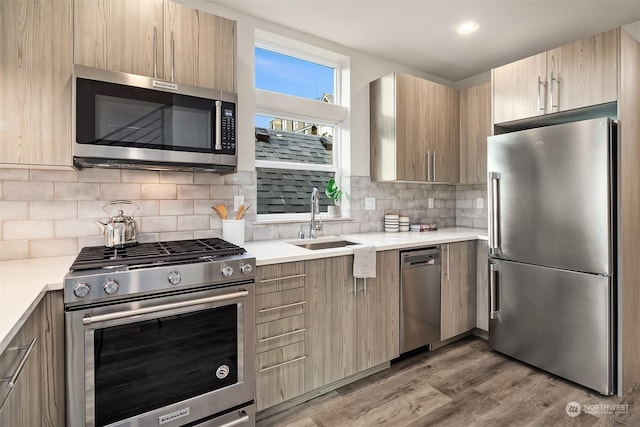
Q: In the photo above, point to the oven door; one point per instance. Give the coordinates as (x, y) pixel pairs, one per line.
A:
(166, 360)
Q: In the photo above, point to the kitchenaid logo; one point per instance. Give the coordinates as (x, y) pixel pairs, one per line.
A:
(173, 416)
(164, 85)
(573, 409)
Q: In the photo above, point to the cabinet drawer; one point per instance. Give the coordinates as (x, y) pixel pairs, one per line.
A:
(279, 333)
(280, 375)
(279, 277)
(278, 305)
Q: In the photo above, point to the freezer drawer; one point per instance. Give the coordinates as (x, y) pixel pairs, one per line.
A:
(556, 320)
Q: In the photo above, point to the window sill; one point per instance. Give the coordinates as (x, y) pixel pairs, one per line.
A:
(299, 220)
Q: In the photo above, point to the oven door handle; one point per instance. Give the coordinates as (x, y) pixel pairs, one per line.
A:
(88, 319)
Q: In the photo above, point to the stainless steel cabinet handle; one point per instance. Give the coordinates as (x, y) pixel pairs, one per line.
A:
(553, 105)
(297, 359)
(364, 288)
(218, 143)
(281, 307)
(87, 320)
(286, 334)
(295, 276)
(493, 291)
(540, 104)
(355, 287)
(11, 381)
(173, 58)
(448, 258)
(155, 52)
(494, 213)
(434, 165)
(428, 165)
(242, 420)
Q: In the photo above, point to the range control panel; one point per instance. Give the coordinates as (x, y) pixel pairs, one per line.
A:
(228, 127)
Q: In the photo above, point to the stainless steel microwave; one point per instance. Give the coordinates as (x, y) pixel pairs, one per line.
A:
(128, 121)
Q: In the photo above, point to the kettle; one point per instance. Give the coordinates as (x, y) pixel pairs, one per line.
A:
(120, 230)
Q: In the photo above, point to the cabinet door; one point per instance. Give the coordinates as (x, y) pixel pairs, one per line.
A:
(458, 290)
(475, 127)
(516, 92)
(203, 49)
(331, 321)
(587, 71)
(482, 282)
(118, 35)
(36, 49)
(444, 133)
(411, 127)
(378, 313)
(280, 375)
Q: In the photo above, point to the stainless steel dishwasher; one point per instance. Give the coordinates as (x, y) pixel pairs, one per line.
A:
(419, 298)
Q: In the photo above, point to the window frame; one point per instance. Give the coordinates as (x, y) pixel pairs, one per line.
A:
(290, 107)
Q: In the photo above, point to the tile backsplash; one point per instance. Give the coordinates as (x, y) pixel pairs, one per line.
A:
(50, 213)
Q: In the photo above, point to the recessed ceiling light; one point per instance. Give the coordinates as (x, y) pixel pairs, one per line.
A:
(467, 27)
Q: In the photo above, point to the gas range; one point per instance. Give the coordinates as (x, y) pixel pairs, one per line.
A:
(100, 274)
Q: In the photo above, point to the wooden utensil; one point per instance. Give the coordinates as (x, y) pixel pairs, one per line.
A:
(240, 212)
(221, 210)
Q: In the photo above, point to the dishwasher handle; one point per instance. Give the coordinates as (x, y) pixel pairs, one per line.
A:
(420, 258)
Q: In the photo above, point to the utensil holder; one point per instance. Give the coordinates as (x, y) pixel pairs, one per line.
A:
(233, 231)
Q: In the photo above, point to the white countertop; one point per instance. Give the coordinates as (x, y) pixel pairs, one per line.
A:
(24, 282)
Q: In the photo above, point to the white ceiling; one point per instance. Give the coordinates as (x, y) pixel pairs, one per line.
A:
(421, 33)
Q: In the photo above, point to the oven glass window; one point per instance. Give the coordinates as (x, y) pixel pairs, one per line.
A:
(150, 364)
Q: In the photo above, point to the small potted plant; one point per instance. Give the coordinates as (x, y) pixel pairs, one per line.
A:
(334, 194)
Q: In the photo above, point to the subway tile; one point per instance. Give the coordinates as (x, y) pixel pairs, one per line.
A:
(265, 232)
(241, 178)
(208, 178)
(193, 191)
(65, 228)
(27, 230)
(145, 208)
(225, 192)
(53, 175)
(203, 207)
(90, 241)
(139, 176)
(77, 191)
(99, 175)
(159, 191)
(14, 210)
(53, 247)
(480, 223)
(18, 190)
(8, 174)
(464, 204)
(193, 222)
(176, 235)
(464, 222)
(289, 231)
(120, 191)
(53, 209)
(148, 237)
(14, 249)
(331, 228)
(91, 209)
(170, 177)
(208, 234)
(350, 227)
(176, 207)
(158, 224)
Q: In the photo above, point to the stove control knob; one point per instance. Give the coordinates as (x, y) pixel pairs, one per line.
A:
(246, 268)
(82, 289)
(174, 277)
(111, 286)
(227, 271)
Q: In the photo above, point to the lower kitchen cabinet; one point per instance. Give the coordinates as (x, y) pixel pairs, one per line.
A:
(482, 283)
(458, 288)
(37, 399)
(280, 375)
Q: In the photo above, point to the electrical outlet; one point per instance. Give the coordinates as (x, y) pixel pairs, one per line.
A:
(430, 202)
(479, 203)
(237, 201)
(369, 203)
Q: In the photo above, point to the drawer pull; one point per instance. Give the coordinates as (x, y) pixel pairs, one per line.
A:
(297, 359)
(295, 276)
(11, 381)
(286, 334)
(281, 307)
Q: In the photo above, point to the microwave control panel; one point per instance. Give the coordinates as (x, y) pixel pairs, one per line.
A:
(228, 127)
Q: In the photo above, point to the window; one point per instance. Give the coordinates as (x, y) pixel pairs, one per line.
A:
(297, 125)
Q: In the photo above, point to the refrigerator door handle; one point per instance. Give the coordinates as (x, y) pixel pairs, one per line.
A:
(493, 291)
(494, 213)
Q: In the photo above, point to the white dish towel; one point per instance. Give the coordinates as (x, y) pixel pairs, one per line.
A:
(364, 264)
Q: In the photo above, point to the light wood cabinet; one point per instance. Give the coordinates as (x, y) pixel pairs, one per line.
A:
(280, 375)
(482, 282)
(156, 38)
(36, 50)
(475, 127)
(37, 399)
(575, 75)
(414, 130)
(458, 289)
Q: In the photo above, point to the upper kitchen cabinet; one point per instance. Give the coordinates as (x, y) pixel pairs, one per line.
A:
(576, 75)
(414, 130)
(475, 127)
(156, 38)
(35, 112)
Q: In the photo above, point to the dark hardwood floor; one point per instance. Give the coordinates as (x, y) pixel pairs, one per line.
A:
(463, 384)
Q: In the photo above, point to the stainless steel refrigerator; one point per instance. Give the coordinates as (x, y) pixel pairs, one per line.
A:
(552, 240)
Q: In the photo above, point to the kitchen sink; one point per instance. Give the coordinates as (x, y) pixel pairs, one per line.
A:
(323, 244)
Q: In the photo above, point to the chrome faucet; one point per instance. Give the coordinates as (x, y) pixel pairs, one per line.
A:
(315, 209)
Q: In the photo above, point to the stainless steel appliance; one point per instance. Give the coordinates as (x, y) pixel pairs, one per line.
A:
(125, 120)
(419, 298)
(552, 240)
(160, 334)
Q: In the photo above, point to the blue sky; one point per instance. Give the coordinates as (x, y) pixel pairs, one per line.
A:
(285, 74)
